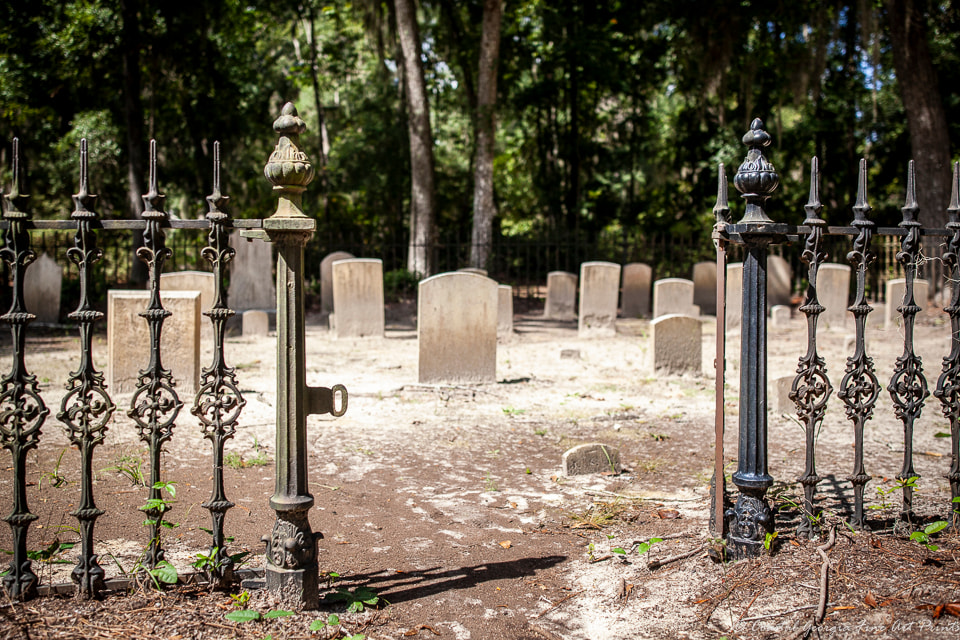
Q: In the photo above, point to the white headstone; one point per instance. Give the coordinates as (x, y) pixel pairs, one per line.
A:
(677, 344)
(833, 292)
(457, 328)
(128, 339)
(255, 323)
(779, 281)
(201, 281)
(896, 289)
(780, 316)
(705, 287)
(734, 300)
(326, 278)
(599, 293)
(252, 284)
(561, 296)
(504, 309)
(637, 280)
(358, 298)
(673, 296)
(42, 283)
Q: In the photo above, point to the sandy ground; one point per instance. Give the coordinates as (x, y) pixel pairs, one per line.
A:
(449, 499)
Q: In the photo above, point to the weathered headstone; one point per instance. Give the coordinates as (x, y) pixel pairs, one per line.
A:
(358, 298)
(255, 323)
(252, 284)
(201, 281)
(561, 296)
(677, 346)
(673, 296)
(705, 287)
(896, 289)
(637, 282)
(779, 281)
(833, 292)
(128, 339)
(781, 394)
(599, 293)
(734, 300)
(478, 271)
(780, 316)
(41, 289)
(504, 309)
(591, 458)
(457, 328)
(326, 279)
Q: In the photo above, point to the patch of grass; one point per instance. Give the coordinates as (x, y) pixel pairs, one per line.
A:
(652, 465)
(540, 431)
(129, 466)
(489, 484)
(511, 411)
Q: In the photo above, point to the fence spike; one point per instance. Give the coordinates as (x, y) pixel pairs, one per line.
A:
(721, 210)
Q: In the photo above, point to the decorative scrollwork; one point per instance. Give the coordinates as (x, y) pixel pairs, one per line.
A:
(811, 388)
(155, 404)
(948, 384)
(859, 388)
(22, 410)
(218, 402)
(292, 544)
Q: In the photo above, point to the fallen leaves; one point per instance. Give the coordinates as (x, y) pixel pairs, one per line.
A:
(950, 608)
(415, 630)
(505, 544)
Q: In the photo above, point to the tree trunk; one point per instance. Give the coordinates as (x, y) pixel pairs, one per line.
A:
(920, 93)
(133, 119)
(484, 207)
(421, 142)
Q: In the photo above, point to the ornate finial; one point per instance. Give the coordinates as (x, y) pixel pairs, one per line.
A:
(289, 168)
(862, 207)
(153, 200)
(814, 206)
(83, 200)
(8, 202)
(954, 209)
(721, 210)
(910, 208)
(756, 178)
(216, 199)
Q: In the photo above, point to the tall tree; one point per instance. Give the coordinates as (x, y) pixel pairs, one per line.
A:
(422, 190)
(926, 118)
(130, 36)
(484, 207)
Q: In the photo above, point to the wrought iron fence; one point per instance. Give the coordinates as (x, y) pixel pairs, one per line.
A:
(87, 407)
(750, 520)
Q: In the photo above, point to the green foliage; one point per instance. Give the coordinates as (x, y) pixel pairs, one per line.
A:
(356, 600)
(923, 537)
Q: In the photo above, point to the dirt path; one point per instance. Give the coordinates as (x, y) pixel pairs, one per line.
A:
(448, 500)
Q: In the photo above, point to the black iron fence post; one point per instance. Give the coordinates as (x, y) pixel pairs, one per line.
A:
(751, 518)
(22, 411)
(291, 549)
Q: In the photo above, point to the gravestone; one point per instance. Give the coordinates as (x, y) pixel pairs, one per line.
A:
(561, 296)
(896, 289)
(591, 458)
(833, 292)
(128, 339)
(635, 299)
(255, 323)
(504, 309)
(201, 281)
(779, 281)
(673, 296)
(457, 329)
(599, 293)
(705, 287)
(42, 283)
(780, 316)
(781, 394)
(358, 298)
(476, 270)
(677, 346)
(252, 284)
(734, 300)
(326, 279)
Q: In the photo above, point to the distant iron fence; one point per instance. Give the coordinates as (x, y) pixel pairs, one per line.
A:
(749, 522)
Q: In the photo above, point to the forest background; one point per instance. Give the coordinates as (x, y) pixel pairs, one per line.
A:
(511, 135)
